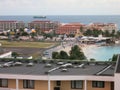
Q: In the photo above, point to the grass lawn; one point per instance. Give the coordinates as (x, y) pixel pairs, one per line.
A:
(26, 44)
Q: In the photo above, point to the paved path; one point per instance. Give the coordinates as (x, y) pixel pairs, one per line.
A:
(65, 46)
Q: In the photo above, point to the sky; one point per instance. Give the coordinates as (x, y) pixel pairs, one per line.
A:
(59, 7)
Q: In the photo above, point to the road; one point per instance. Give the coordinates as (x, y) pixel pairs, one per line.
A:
(65, 46)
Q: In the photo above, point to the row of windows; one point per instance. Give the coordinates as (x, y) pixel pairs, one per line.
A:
(74, 84)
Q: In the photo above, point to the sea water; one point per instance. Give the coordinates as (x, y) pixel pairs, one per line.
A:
(102, 53)
(85, 19)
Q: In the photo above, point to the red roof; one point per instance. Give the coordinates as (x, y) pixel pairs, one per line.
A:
(40, 21)
(8, 21)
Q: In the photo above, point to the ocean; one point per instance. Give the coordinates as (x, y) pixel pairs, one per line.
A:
(102, 53)
(85, 19)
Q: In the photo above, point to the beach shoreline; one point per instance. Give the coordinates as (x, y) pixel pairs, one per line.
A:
(88, 50)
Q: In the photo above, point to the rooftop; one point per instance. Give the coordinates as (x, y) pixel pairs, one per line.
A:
(57, 68)
(118, 65)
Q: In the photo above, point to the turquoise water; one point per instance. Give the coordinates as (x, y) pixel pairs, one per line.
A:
(102, 53)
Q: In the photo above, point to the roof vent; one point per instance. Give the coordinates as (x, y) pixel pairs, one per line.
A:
(48, 65)
(67, 65)
(30, 64)
(80, 66)
(60, 63)
(8, 64)
(64, 70)
(17, 64)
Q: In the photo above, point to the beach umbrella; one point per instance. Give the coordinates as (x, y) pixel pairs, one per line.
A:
(33, 31)
(29, 31)
(25, 30)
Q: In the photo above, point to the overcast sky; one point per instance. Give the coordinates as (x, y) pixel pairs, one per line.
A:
(59, 7)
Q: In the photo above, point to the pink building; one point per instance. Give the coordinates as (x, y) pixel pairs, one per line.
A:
(43, 26)
(70, 28)
(11, 25)
(103, 26)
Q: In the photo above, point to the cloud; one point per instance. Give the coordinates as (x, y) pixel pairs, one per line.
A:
(53, 7)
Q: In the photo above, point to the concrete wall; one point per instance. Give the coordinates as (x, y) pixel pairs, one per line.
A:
(11, 83)
(117, 81)
(65, 85)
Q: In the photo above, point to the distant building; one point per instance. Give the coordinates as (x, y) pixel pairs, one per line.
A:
(11, 25)
(103, 26)
(70, 28)
(43, 26)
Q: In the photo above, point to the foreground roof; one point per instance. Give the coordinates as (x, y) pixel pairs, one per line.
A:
(57, 68)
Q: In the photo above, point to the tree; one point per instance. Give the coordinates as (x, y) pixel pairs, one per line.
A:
(114, 58)
(92, 59)
(33, 34)
(76, 53)
(48, 35)
(88, 32)
(24, 34)
(117, 35)
(96, 32)
(81, 29)
(55, 55)
(71, 35)
(106, 33)
(113, 33)
(63, 55)
(15, 54)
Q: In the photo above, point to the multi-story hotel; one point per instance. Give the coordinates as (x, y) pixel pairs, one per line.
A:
(43, 26)
(11, 25)
(102, 26)
(58, 75)
(70, 28)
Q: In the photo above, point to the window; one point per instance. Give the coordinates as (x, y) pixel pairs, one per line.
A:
(76, 84)
(3, 83)
(98, 84)
(58, 83)
(28, 84)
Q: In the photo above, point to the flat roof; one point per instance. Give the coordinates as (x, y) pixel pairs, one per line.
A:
(58, 68)
(118, 65)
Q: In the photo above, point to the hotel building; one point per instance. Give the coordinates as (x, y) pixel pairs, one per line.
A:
(58, 75)
(11, 25)
(70, 28)
(43, 26)
(103, 26)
